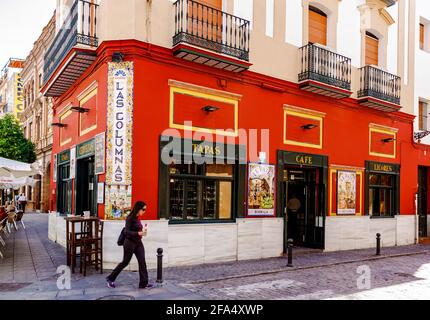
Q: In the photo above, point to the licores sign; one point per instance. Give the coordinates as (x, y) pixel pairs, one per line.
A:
(119, 123)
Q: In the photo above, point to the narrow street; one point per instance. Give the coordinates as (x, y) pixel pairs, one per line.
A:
(28, 271)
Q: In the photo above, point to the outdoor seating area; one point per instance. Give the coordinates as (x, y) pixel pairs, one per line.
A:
(9, 220)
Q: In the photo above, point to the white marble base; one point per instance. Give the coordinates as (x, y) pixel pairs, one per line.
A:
(192, 244)
(352, 232)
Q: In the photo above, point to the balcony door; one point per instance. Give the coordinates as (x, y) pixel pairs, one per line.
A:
(317, 26)
(205, 19)
(372, 49)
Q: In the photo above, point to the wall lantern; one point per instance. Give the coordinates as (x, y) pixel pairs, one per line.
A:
(210, 109)
(79, 109)
(388, 140)
(309, 126)
(117, 57)
(58, 124)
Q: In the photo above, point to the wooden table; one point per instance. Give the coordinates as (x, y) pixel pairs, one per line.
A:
(73, 238)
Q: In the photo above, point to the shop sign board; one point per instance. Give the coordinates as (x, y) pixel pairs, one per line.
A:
(119, 123)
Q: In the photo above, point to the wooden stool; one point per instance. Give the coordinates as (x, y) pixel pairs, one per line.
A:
(92, 250)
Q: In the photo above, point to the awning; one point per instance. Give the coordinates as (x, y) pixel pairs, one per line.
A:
(16, 183)
(16, 169)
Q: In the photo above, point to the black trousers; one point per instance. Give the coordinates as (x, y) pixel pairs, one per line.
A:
(138, 250)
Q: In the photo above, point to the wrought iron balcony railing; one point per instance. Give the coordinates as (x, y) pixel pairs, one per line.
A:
(379, 84)
(209, 28)
(322, 65)
(79, 27)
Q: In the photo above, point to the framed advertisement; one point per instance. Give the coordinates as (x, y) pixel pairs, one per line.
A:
(99, 154)
(261, 190)
(100, 193)
(346, 193)
(72, 162)
(54, 174)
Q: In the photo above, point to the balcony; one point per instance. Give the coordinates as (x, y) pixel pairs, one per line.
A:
(324, 72)
(379, 89)
(211, 37)
(73, 49)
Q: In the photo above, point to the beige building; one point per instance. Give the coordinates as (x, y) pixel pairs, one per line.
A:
(36, 118)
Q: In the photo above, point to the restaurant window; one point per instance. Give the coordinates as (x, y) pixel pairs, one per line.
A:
(317, 26)
(202, 183)
(372, 49)
(201, 192)
(423, 116)
(64, 190)
(383, 189)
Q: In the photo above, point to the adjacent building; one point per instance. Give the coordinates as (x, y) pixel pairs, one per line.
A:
(11, 91)
(36, 118)
(240, 123)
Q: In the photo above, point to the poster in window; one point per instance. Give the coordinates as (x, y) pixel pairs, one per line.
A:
(99, 153)
(72, 162)
(346, 192)
(54, 175)
(261, 189)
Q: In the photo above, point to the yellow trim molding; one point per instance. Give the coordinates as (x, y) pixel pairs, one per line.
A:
(306, 114)
(205, 93)
(84, 97)
(61, 117)
(87, 91)
(386, 130)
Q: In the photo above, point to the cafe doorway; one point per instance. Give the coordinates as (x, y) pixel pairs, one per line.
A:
(85, 186)
(303, 195)
(303, 180)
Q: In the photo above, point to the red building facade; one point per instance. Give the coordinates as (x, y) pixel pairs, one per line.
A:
(344, 168)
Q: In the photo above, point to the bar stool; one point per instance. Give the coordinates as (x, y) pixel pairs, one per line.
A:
(92, 250)
(76, 242)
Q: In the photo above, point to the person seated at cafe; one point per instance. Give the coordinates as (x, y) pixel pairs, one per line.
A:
(10, 207)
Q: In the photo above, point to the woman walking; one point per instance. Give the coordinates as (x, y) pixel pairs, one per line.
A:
(133, 245)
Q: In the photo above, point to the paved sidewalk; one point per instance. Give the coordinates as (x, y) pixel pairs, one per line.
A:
(28, 270)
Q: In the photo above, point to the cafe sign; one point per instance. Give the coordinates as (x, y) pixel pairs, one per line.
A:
(85, 149)
(64, 157)
(119, 123)
(303, 159)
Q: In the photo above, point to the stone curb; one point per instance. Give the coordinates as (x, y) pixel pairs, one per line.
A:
(290, 269)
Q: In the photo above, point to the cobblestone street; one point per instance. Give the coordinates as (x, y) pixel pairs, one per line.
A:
(28, 271)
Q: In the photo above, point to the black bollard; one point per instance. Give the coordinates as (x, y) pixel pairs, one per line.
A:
(159, 265)
(378, 244)
(290, 252)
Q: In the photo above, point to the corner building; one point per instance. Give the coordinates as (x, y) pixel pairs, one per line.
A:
(326, 78)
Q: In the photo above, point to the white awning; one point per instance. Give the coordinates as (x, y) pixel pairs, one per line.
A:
(16, 183)
(16, 169)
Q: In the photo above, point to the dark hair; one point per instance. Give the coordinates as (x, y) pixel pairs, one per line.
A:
(137, 207)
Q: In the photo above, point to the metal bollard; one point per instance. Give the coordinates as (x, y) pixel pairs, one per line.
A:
(290, 252)
(159, 265)
(378, 244)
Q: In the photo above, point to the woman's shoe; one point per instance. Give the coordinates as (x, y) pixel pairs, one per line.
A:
(110, 284)
(148, 286)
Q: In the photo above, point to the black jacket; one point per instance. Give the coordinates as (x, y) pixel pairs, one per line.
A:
(132, 227)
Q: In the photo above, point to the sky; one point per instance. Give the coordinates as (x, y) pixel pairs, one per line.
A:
(21, 23)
